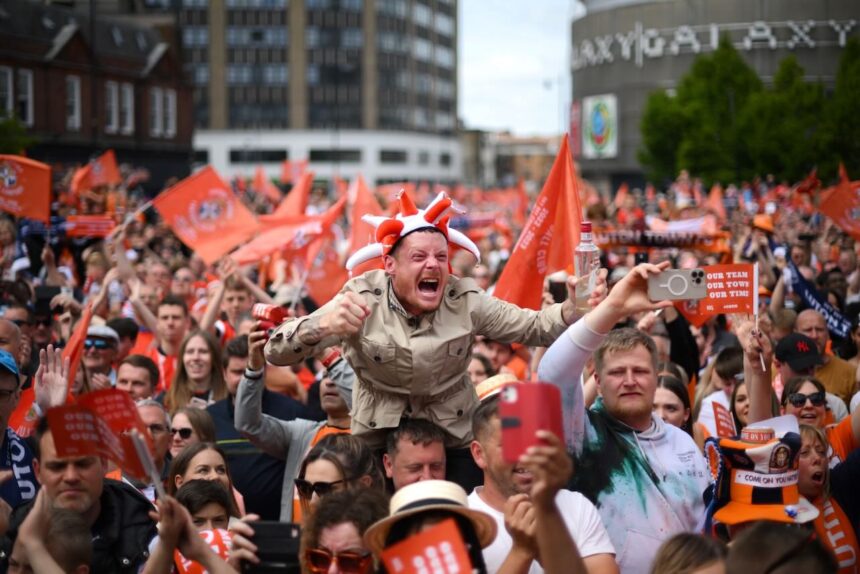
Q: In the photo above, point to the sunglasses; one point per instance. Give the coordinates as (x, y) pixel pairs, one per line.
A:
(319, 561)
(99, 344)
(22, 322)
(184, 434)
(797, 400)
(306, 489)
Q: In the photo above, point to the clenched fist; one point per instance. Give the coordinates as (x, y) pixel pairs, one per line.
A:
(348, 316)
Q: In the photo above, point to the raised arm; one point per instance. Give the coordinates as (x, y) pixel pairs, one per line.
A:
(757, 350)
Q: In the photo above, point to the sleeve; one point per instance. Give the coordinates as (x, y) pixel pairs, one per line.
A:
(684, 350)
(268, 433)
(344, 377)
(841, 437)
(505, 322)
(562, 366)
(284, 347)
(586, 527)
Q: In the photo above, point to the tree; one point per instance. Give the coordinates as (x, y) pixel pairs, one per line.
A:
(843, 121)
(13, 136)
(782, 128)
(661, 127)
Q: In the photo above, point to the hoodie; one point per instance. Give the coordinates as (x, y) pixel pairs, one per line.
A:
(647, 485)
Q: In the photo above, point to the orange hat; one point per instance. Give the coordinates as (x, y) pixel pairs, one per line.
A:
(763, 222)
(756, 478)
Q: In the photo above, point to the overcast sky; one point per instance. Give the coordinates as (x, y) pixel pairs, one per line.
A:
(513, 61)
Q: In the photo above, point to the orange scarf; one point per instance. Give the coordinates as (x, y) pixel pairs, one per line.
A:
(836, 532)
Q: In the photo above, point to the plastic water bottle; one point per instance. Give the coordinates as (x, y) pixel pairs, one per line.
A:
(586, 264)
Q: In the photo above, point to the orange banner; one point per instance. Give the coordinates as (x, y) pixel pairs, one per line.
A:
(218, 540)
(206, 215)
(439, 550)
(89, 225)
(25, 187)
(74, 349)
(725, 422)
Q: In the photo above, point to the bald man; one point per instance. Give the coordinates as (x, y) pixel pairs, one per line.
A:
(838, 376)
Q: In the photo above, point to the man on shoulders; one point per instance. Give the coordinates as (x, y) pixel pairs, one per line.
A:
(645, 477)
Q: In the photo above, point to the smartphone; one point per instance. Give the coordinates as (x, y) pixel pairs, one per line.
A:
(558, 290)
(277, 548)
(524, 409)
(678, 285)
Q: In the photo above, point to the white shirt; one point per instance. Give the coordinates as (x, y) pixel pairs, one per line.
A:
(581, 517)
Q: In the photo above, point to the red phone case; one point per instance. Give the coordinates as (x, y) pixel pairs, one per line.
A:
(526, 408)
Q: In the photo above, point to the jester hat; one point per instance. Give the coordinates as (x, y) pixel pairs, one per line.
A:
(390, 230)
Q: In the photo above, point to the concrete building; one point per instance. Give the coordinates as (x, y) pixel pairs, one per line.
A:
(622, 50)
(81, 86)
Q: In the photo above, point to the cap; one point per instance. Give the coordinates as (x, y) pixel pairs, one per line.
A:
(763, 222)
(7, 362)
(103, 332)
(428, 495)
(757, 480)
(799, 351)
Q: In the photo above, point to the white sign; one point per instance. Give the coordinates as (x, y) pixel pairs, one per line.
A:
(642, 43)
(600, 127)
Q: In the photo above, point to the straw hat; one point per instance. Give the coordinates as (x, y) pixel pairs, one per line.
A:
(428, 495)
(492, 386)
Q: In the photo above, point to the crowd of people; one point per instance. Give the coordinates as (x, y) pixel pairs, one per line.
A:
(373, 418)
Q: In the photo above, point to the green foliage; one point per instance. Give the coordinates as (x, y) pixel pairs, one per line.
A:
(13, 136)
(725, 126)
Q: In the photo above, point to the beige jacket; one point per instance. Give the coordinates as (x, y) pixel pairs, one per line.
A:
(417, 366)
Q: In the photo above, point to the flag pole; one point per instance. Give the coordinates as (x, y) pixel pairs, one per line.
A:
(129, 218)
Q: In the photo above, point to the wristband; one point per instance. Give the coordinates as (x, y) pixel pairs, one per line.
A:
(254, 375)
(331, 358)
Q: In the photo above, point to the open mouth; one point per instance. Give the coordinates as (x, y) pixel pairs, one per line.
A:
(428, 286)
(818, 476)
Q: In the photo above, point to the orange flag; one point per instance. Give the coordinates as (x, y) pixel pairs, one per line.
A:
(25, 187)
(101, 171)
(291, 171)
(263, 186)
(621, 195)
(74, 349)
(812, 183)
(294, 204)
(206, 215)
(363, 203)
(842, 204)
(327, 274)
(548, 239)
(715, 202)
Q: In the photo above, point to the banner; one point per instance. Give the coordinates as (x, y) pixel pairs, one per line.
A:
(724, 422)
(837, 324)
(731, 289)
(218, 540)
(437, 550)
(600, 127)
(714, 243)
(25, 187)
(99, 424)
(205, 214)
(89, 225)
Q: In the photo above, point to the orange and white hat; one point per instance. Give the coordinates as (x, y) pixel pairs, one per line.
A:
(756, 478)
(390, 230)
(492, 386)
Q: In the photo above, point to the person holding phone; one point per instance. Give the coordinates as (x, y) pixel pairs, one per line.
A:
(645, 477)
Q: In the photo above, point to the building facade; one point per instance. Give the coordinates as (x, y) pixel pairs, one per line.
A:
(622, 50)
(354, 86)
(82, 86)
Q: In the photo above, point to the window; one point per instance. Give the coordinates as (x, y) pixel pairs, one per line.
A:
(6, 91)
(169, 113)
(126, 109)
(201, 74)
(423, 83)
(444, 88)
(24, 106)
(249, 155)
(237, 75)
(444, 159)
(444, 57)
(275, 74)
(423, 157)
(444, 24)
(422, 15)
(392, 156)
(111, 107)
(335, 155)
(200, 156)
(312, 37)
(422, 49)
(156, 115)
(73, 103)
(351, 38)
(195, 36)
(313, 75)
(397, 8)
(353, 5)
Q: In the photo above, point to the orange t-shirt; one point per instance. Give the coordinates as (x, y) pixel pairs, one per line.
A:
(841, 439)
(324, 431)
(166, 368)
(143, 344)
